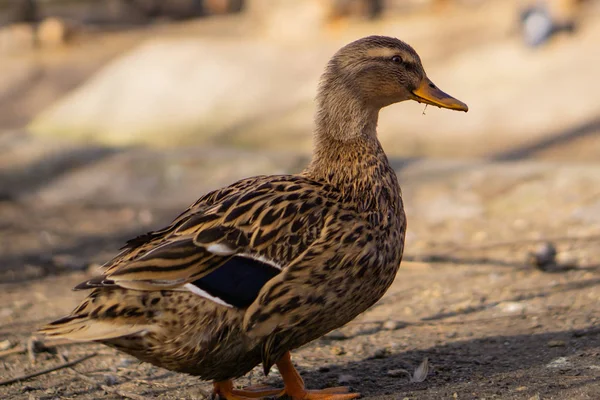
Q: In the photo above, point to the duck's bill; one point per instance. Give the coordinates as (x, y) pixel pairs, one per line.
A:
(428, 93)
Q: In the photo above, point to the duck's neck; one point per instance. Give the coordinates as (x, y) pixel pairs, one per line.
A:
(341, 115)
(347, 153)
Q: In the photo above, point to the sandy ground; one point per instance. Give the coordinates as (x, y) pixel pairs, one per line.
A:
(488, 331)
(490, 323)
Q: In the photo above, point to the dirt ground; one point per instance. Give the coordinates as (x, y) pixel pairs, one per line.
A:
(491, 325)
(488, 331)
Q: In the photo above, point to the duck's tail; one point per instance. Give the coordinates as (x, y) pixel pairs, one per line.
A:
(104, 314)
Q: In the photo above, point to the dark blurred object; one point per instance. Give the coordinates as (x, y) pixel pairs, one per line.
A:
(368, 9)
(544, 257)
(112, 12)
(182, 9)
(24, 11)
(545, 18)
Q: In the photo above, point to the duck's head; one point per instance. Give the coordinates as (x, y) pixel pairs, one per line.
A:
(379, 71)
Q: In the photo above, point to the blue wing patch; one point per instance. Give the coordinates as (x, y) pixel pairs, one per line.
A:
(238, 281)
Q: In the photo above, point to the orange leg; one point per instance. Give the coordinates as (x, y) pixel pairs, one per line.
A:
(226, 391)
(294, 385)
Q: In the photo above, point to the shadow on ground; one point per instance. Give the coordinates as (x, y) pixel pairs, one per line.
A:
(550, 141)
(491, 360)
(31, 177)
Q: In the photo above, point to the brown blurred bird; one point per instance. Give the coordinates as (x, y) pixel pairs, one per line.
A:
(259, 268)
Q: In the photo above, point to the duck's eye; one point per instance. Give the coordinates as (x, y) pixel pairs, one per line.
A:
(397, 59)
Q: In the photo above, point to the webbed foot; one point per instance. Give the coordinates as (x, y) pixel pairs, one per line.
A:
(294, 385)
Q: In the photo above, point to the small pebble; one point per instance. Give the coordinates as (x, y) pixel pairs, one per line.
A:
(35, 346)
(337, 351)
(544, 257)
(5, 345)
(560, 362)
(381, 353)
(125, 362)
(392, 325)
(511, 307)
(346, 379)
(110, 380)
(556, 343)
(397, 373)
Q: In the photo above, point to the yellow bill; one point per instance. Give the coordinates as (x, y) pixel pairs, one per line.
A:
(428, 93)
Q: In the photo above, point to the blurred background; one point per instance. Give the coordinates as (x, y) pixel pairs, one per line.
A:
(243, 72)
(116, 114)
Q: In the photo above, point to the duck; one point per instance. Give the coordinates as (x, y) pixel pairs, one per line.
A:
(254, 270)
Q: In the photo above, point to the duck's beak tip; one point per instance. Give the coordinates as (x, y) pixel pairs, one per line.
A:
(429, 93)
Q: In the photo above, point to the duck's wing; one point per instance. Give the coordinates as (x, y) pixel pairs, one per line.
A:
(227, 245)
(140, 244)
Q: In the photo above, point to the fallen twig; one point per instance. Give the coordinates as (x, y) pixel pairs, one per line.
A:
(15, 350)
(45, 371)
(445, 258)
(518, 242)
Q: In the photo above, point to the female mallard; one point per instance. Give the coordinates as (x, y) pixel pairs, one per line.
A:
(270, 263)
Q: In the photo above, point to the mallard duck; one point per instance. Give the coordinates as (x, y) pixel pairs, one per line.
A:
(256, 269)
